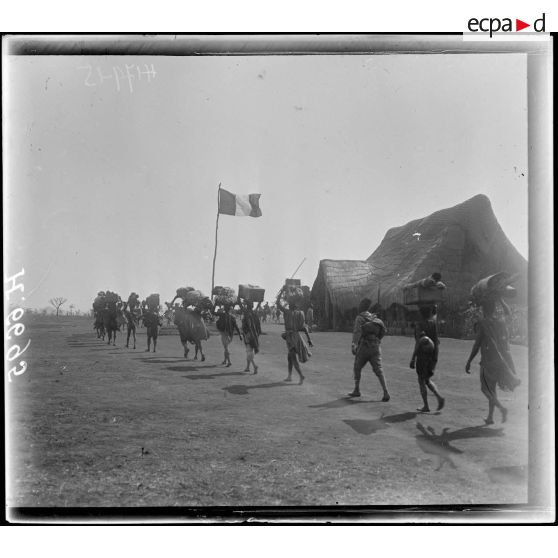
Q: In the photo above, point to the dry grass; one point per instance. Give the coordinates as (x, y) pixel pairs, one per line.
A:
(213, 436)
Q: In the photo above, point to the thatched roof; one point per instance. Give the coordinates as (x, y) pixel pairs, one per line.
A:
(464, 243)
(344, 280)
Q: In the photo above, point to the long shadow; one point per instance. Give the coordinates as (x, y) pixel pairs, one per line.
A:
(366, 426)
(337, 403)
(241, 389)
(439, 444)
(213, 376)
(401, 417)
(191, 368)
(160, 360)
(371, 426)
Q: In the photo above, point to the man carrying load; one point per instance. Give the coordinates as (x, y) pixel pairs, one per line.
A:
(367, 336)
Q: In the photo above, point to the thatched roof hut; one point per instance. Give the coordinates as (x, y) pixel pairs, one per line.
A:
(338, 288)
(464, 243)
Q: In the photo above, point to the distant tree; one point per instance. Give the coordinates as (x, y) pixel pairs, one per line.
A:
(72, 306)
(57, 302)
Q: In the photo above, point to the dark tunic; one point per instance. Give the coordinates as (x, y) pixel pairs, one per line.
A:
(294, 325)
(251, 329)
(495, 356)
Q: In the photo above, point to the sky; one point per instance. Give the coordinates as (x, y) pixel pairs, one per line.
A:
(112, 163)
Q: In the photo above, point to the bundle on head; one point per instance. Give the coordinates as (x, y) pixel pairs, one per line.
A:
(294, 295)
(224, 296)
(183, 291)
(111, 297)
(191, 298)
(152, 302)
(432, 282)
(494, 288)
(133, 299)
(204, 304)
(99, 302)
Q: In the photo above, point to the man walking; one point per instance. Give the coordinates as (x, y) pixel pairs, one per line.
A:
(367, 335)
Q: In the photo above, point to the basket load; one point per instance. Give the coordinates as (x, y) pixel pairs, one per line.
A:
(224, 296)
(297, 295)
(494, 288)
(99, 302)
(152, 302)
(192, 298)
(251, 293)
(429, 290)
(204, 304)
(183, 291)
(133, 300)
(111, 298)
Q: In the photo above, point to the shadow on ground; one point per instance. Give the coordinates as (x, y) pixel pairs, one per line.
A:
(241, 389)
(439, 445)
(190, 368)
(371, 426)
(342, 402)
(163, 361)
(212, 376)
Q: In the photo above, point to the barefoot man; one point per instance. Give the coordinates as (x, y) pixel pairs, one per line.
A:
(496, 365)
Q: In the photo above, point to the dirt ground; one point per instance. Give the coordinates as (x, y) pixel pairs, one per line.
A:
(96, 425)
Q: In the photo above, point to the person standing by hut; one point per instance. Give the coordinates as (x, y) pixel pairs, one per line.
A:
(294, 325)
(367, 336)
(425, 356)
(226, 325)
(310, 317)
(251, 329)
(496, 365)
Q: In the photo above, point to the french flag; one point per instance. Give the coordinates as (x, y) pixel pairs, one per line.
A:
(245, 206)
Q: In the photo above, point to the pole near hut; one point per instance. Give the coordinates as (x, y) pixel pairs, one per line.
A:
(299, 266)
(292, 276)
(215, 253)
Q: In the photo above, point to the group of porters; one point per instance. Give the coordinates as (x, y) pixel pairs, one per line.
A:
(191, 316)
(496, 368)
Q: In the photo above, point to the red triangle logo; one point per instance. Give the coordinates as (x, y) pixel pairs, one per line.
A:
(519, 25)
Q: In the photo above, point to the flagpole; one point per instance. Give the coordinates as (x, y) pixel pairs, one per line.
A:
(215, 253)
